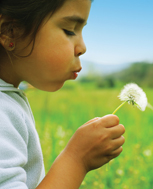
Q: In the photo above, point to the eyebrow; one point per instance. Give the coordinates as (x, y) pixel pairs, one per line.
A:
(75, 19)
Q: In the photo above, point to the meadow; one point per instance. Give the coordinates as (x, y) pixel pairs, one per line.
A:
(59, 114)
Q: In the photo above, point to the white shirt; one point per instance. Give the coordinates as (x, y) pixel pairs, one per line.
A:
(21, 160)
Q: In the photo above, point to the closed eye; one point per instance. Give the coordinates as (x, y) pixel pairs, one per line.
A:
(70, 33)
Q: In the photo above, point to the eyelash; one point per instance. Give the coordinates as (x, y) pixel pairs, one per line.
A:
(70, 33)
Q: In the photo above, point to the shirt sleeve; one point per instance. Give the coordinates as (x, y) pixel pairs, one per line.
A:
(13, 149)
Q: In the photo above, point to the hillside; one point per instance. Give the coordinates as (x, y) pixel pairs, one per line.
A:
(140, 73)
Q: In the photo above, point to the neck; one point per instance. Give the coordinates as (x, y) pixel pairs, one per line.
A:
(7, 71)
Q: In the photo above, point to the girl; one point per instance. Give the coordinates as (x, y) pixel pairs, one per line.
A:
(41, 42)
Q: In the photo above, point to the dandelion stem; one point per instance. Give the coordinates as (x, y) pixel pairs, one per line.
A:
(119, 107)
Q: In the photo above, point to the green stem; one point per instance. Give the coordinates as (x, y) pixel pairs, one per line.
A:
(119, 107)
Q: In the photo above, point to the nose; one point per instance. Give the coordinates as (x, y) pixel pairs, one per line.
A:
(80, 48)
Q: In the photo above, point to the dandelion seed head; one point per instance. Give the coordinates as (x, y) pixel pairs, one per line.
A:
(134, 95)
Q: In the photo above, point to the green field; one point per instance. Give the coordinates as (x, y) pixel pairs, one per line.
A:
(59, 114)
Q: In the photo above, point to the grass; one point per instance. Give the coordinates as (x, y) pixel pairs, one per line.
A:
(59, 114)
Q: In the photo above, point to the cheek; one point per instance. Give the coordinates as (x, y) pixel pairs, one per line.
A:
(54, 52)
(60, 56)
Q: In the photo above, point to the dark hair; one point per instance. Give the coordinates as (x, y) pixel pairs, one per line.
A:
(28, 14)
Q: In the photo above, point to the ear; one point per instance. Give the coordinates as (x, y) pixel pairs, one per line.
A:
(7, 43)
(6, 33)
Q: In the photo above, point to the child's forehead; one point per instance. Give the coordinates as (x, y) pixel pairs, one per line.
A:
(74, 10)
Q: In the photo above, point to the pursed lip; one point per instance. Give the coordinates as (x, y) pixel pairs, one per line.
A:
(75, 73)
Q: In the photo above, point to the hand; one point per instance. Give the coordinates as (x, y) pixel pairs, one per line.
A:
(96, 142)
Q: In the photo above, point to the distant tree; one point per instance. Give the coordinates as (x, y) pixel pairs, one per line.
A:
(106, 82)
(140, 73)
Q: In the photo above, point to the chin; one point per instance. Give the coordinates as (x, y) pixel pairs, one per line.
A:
(51, 88)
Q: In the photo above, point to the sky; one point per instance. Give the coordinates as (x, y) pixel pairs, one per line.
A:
(119, 31)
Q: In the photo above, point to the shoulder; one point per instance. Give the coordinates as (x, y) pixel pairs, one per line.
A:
(10, 98)
(9, 107)
(12, 118)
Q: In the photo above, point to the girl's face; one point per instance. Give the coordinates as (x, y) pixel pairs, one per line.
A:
(58, 45)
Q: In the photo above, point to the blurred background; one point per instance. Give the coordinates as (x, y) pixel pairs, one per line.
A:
(119, 40)
(119, 37)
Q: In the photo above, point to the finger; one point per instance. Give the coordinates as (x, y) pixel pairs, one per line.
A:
(114, 145)
(92, 120)
(114, 154)
(117, 152)
(117, 131)
(117, 143)
(109, 121)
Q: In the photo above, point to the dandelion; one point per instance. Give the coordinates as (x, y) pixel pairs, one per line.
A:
(134, 95)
